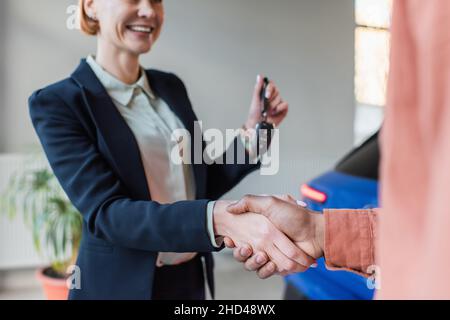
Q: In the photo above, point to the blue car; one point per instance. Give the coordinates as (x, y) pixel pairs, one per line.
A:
(352, 184)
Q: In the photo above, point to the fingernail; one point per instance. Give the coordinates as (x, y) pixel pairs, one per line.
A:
(258, 77)
(268, 94)
(243, 252)
(259, 260)
(302, 203)
(314, 265)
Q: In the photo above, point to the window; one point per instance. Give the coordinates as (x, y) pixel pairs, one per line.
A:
(372, 47)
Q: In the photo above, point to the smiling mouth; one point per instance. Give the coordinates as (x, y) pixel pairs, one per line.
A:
(141, 29)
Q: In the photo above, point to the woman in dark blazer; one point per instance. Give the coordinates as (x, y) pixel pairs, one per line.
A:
(106, 133)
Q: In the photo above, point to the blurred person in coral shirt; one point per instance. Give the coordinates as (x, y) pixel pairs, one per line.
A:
(407, 241)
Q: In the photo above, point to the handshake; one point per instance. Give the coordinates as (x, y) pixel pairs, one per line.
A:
(270, 234)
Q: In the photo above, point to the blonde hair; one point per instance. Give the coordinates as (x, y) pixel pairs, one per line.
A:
(87, 24)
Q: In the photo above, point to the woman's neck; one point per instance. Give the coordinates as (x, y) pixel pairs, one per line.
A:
(121, 64)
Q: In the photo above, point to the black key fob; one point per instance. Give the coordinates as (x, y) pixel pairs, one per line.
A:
(264, 136)
(264, 128)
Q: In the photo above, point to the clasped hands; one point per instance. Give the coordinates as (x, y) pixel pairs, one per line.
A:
(270, 234)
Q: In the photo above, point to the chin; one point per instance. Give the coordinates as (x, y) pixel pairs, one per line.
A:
(139, 49)
(143, 50)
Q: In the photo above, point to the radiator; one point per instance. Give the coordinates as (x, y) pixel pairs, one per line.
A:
(16, 245)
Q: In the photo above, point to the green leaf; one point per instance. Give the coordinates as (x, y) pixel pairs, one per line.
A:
(54, 222)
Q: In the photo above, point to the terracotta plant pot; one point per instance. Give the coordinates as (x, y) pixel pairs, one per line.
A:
(54, 288)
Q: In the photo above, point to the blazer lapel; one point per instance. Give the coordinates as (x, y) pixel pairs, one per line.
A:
(117, 136)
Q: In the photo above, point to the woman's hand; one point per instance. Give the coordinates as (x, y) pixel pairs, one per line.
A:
(304, 227)
(278, 108)
(262, 236)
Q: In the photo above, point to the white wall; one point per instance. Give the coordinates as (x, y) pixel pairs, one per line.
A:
(217, 47)
(2, 70)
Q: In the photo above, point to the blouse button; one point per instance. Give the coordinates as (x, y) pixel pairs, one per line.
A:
(137, 91)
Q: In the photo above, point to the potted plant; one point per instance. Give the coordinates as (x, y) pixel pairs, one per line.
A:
(55, 224)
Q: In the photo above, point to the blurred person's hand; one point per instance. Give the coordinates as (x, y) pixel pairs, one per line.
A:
(278, 108)
(304, 227)
(258, 234)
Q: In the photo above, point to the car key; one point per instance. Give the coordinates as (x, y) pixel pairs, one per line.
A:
(264, 128)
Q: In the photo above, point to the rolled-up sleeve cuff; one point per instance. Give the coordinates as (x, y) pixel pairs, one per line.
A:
(350, 237)
(215, 241)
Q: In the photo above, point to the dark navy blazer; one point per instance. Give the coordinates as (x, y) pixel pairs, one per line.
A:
(95, 157)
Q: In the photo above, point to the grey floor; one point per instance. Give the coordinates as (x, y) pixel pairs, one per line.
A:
(232, 282)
